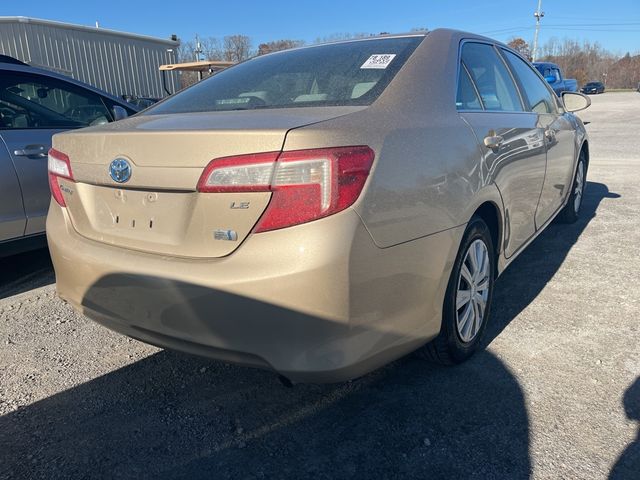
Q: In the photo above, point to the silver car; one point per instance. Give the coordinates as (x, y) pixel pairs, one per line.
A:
(319, 211)
(34, 105)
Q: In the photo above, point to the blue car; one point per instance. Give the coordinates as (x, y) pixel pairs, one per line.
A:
(553, 75)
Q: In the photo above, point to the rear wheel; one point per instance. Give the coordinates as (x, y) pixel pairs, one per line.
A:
(571, 210)
(467, 301)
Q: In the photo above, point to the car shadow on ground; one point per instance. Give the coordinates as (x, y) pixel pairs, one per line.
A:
(25, 271)
(525, 278)
(628, 465)
(175, 416)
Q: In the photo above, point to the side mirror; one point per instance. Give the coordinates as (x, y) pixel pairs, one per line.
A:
(550, 78)
(574, 101)
(119, 113)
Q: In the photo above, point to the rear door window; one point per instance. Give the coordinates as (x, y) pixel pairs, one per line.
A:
(491, 77)
(348, 73)
(38, 101)
(534, 88)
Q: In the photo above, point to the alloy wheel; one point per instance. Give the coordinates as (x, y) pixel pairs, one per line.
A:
(579, 187)
(472, 293)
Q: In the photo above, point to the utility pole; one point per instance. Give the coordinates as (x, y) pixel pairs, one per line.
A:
(538, 14)
(198, 49)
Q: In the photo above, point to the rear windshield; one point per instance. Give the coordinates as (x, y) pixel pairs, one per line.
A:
(351, 73)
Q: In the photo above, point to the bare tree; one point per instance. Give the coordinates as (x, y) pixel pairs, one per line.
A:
(186, 52)
(625, 73)
(277, 45)
(583, 61)
(236, 48)
(211, 48)
(336, 37)
(520, 46)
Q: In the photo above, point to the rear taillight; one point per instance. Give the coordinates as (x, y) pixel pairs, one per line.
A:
(59, 167)
(244, 173)
(311, 184)
(306, 184)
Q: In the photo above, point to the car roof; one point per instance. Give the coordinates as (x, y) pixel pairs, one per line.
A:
(345, 40)
(376, 37)
(24, 68)
(439, 32)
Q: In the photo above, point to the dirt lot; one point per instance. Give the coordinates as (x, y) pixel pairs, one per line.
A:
(555, 395)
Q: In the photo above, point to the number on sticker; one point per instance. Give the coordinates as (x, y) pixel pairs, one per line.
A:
(381, 60)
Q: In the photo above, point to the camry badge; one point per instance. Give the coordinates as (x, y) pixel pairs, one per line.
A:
(120, 170)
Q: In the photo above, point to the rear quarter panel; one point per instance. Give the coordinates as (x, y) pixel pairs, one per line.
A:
(428, 175)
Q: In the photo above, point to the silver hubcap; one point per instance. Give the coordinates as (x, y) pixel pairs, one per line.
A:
(579, 187)
(473, 291)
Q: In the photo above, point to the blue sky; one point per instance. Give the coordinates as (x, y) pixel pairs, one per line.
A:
(615, 24)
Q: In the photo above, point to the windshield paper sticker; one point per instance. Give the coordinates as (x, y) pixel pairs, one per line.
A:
(379, 60)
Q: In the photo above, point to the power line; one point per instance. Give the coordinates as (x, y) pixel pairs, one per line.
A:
(559, 27)
(506, 30)
(626, 24)
(598, 19)
(563, 25)
(614, 30)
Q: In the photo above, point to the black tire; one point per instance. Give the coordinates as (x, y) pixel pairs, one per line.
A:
(571, 212)
(448, 348)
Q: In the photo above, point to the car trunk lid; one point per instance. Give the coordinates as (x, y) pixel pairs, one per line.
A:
(158, 210)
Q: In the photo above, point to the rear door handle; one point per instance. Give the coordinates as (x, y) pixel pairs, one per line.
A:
(38, 151)
(493, 141)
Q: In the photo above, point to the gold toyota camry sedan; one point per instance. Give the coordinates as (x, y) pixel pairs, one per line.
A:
(319, 211)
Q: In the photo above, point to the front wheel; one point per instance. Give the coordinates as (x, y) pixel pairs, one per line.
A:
(571, 210)
(467, 302)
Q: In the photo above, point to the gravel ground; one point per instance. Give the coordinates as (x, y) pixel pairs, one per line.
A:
(555, 395)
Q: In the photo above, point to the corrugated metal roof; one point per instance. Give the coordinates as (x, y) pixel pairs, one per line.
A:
(119, 63)
(72, 26)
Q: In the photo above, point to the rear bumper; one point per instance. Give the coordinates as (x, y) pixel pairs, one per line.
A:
(312, 306)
